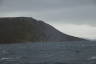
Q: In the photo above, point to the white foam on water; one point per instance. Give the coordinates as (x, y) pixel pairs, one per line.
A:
(7, 59)
(92, 58)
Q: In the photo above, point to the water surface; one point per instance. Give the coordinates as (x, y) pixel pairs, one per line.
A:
(48, 53)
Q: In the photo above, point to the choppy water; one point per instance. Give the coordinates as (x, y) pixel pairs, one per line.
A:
(48, 53)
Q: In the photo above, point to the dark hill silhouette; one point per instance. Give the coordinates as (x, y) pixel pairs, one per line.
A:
(27, 29)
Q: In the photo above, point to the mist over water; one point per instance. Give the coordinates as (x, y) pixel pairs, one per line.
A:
(83, 31)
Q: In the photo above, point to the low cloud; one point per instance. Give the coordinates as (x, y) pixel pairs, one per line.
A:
(83, 31)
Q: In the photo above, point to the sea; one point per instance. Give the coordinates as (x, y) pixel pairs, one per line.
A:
(75, 52)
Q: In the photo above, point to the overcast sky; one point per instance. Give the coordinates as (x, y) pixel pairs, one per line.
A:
(74, 17)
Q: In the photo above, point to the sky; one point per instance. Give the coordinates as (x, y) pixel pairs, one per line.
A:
(73, 17)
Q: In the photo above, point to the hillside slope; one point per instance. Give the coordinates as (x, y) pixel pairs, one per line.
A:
(27, 29)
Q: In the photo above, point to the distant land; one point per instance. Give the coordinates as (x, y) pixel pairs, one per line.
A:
(28, 29)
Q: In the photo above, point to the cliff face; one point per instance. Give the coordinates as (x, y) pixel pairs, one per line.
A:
(27, 29)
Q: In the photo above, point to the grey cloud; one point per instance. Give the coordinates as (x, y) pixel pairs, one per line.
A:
(82, 11)
(43, 4)
(0, 2)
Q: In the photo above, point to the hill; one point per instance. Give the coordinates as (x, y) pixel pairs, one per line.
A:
(27, 29)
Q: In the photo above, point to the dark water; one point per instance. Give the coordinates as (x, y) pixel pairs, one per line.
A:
(48, 53)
